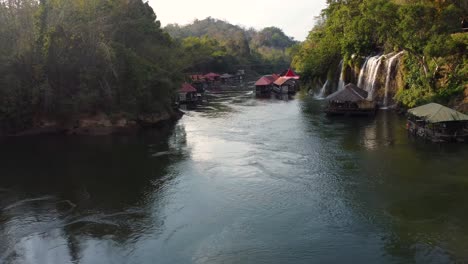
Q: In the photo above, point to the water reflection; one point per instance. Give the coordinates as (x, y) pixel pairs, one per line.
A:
(67, 199)
(409, 193)
(239, 180)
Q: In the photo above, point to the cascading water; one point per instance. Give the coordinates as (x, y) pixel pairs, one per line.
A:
(368, 75)
(368, 79)
(341, 82)
(390, 66)
(361, 73)
(321, 94)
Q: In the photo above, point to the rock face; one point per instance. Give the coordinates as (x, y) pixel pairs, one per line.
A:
(462, 103)
(100, 124)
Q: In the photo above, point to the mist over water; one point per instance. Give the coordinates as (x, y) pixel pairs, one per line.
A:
(242, 180)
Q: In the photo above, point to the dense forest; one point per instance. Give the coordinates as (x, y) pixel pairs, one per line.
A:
(220, 46)
(61, 58)
(435, 64)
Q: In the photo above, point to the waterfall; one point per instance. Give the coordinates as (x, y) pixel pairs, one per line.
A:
(361, 73)
(341, 82)
(368, 75)
(390, 65)
(321, 94)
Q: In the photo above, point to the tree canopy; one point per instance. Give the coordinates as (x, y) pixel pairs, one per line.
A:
(264, 51)
(63, 58)
(429, 30)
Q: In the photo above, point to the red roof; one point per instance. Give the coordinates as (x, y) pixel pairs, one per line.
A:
(266, 80)
(291, 74)
(282, 80)
(212, 75)
(187, 88)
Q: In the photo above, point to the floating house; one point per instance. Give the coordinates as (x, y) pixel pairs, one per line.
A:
(437, 123)
(286, 85)
(213, 80)
(198, 82)
(228, 79)
(265, 84)
(187, 94)
(290, 74)
(197, 78)
(351, 100)
(212, 76)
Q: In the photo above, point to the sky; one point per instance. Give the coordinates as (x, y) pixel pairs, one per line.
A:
(295, 18)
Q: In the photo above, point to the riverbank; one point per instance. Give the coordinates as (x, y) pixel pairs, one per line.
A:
(240, 180)
(98, 124)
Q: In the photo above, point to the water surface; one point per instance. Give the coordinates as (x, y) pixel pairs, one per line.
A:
(240, 180)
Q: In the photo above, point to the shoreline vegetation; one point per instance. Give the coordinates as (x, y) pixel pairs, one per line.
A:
(99, 67)
(429, 37)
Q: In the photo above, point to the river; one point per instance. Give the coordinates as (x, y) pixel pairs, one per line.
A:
(241, 180)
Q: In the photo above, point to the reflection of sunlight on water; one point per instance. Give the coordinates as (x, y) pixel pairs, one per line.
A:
(369, 137)
(208, 149)
(378, 134)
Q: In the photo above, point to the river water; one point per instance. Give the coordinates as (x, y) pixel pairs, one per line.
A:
(241, 180)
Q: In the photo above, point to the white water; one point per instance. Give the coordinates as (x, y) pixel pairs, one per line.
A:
(368, 75)
(361, 73)
(390, 65)
(321, 94)
(341, 82)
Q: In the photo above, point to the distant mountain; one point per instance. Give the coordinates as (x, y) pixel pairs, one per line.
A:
(263, 51)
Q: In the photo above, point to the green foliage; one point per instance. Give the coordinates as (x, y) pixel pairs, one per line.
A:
(64, 58)
(262, 51)
(417, 90)
(435, 67)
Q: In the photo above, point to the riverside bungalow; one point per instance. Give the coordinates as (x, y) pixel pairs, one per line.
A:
(187, 94)
(197, 78)
(438, 123)
(351, 100)
(228, 79)
(212, 76)
(265, 84)
(213, 80)
(198, 82)
(286, 85)
(290, 73)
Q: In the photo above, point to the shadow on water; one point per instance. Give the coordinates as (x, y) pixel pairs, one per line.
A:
(57, 193)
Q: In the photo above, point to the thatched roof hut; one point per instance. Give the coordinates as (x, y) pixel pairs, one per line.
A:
(438, 123)
(351, 100)
(436, 113)
(350, 93)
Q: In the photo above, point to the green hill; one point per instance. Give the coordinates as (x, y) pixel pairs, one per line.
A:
(233, 46)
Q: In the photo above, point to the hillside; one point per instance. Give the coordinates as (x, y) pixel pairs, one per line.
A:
(260, 51)
(433, 65)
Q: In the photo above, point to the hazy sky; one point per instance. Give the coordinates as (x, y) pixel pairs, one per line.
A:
(296, 18)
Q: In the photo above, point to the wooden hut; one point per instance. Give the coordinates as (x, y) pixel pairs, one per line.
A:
(437, 123)
(187, 94)
(212, 76)
(228, 79)
(265, 84)
(213, 80)
(198, 82)
(286, 85)
(290, 73)
(351, 100)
